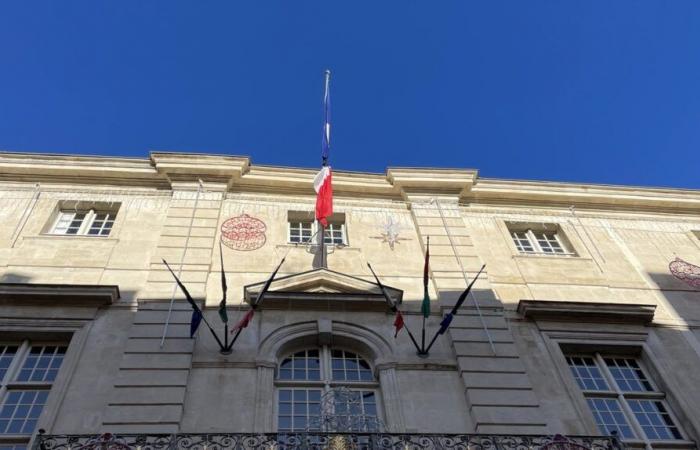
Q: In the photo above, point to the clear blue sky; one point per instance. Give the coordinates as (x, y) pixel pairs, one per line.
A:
(592, 91)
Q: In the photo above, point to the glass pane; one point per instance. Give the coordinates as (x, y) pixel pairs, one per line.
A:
(348, 366)
(654, 419)
(40, 358)
(305, 364)
(19, 411)
(609, 417)
(587, 373)
(7, 354)
(628, 375)
(295, 416)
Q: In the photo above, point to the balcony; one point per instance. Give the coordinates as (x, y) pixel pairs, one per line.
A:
(323, 441)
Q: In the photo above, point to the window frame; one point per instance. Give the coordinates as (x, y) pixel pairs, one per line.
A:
(325, 383)
(530, 234)
(86, 224)
(9, 383)
(314, 230)
(623, 397)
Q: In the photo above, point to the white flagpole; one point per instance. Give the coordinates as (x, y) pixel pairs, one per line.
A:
(200, 188)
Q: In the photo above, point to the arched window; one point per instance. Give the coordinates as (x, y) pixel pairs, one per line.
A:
(309, 385)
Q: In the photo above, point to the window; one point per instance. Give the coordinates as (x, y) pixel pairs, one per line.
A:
(547, 240)
(83, 222)
(302, 229)
(27, 371)
(300, 232)
(622, 398)
(318, 382)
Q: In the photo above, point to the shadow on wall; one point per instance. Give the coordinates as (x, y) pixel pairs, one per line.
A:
(10, 277)
(684, 299)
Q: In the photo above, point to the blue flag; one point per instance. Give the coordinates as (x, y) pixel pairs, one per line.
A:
(326, 140)
(445, 324)
(195, 321)
(196, 312)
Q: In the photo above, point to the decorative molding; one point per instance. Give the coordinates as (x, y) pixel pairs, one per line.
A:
(587, 312)
(322, 288)
(163, 170)
(58, 294)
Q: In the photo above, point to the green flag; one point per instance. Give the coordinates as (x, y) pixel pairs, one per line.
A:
(425, 306)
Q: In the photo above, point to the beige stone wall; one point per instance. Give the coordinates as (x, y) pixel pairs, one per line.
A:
(498, 373)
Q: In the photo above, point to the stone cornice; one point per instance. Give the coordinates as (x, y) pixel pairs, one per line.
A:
(58, 294)
(586, 311)
(432, 181)
(183, 167)
(532, 193)
(50, 168)
(169, 170)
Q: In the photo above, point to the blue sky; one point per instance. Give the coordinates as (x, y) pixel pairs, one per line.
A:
(587, 91)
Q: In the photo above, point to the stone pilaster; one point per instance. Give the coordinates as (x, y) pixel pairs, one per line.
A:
(497, 388)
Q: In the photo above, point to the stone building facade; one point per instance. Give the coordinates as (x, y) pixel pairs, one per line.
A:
(576, 327)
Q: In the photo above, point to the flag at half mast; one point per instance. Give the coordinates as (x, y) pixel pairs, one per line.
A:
(322, 182)
(425, 306)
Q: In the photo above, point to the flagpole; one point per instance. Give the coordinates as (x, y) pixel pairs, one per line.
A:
(423, 352)
(200, 188)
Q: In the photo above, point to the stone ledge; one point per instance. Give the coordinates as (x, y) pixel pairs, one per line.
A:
(587, 312)
(58, 294)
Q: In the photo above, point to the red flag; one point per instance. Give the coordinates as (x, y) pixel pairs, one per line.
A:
(324, 195)
(398, 323)
(244, 321)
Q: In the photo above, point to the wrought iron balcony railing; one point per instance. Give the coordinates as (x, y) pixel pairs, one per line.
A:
(323, 441)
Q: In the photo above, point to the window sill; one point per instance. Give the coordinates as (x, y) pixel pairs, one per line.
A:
(294, 244)
(70, 237)
(550, 256)
(638, 443)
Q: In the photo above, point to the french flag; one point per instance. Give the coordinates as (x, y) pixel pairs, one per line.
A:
(324, 195)
(322, 182)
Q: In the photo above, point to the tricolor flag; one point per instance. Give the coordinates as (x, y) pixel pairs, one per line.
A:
(249, 315)
(324, 195)
(425, 306)
(322, 182)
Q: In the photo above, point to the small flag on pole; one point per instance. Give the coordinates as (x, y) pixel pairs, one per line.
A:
(398, 323)
(222, 304)
(243, 323)
(425, 306)
(447, 320)
(249, 315)
(196, 312)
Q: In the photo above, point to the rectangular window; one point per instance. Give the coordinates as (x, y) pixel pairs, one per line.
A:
(300, 232)
(622, 398)
(84, 223)
(334, 234)
(27, 371)
(302, 229)
(548, 240)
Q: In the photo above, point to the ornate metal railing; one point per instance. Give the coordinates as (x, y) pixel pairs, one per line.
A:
(323, 441)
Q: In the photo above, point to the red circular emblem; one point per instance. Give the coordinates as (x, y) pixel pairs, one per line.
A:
(243, 233)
